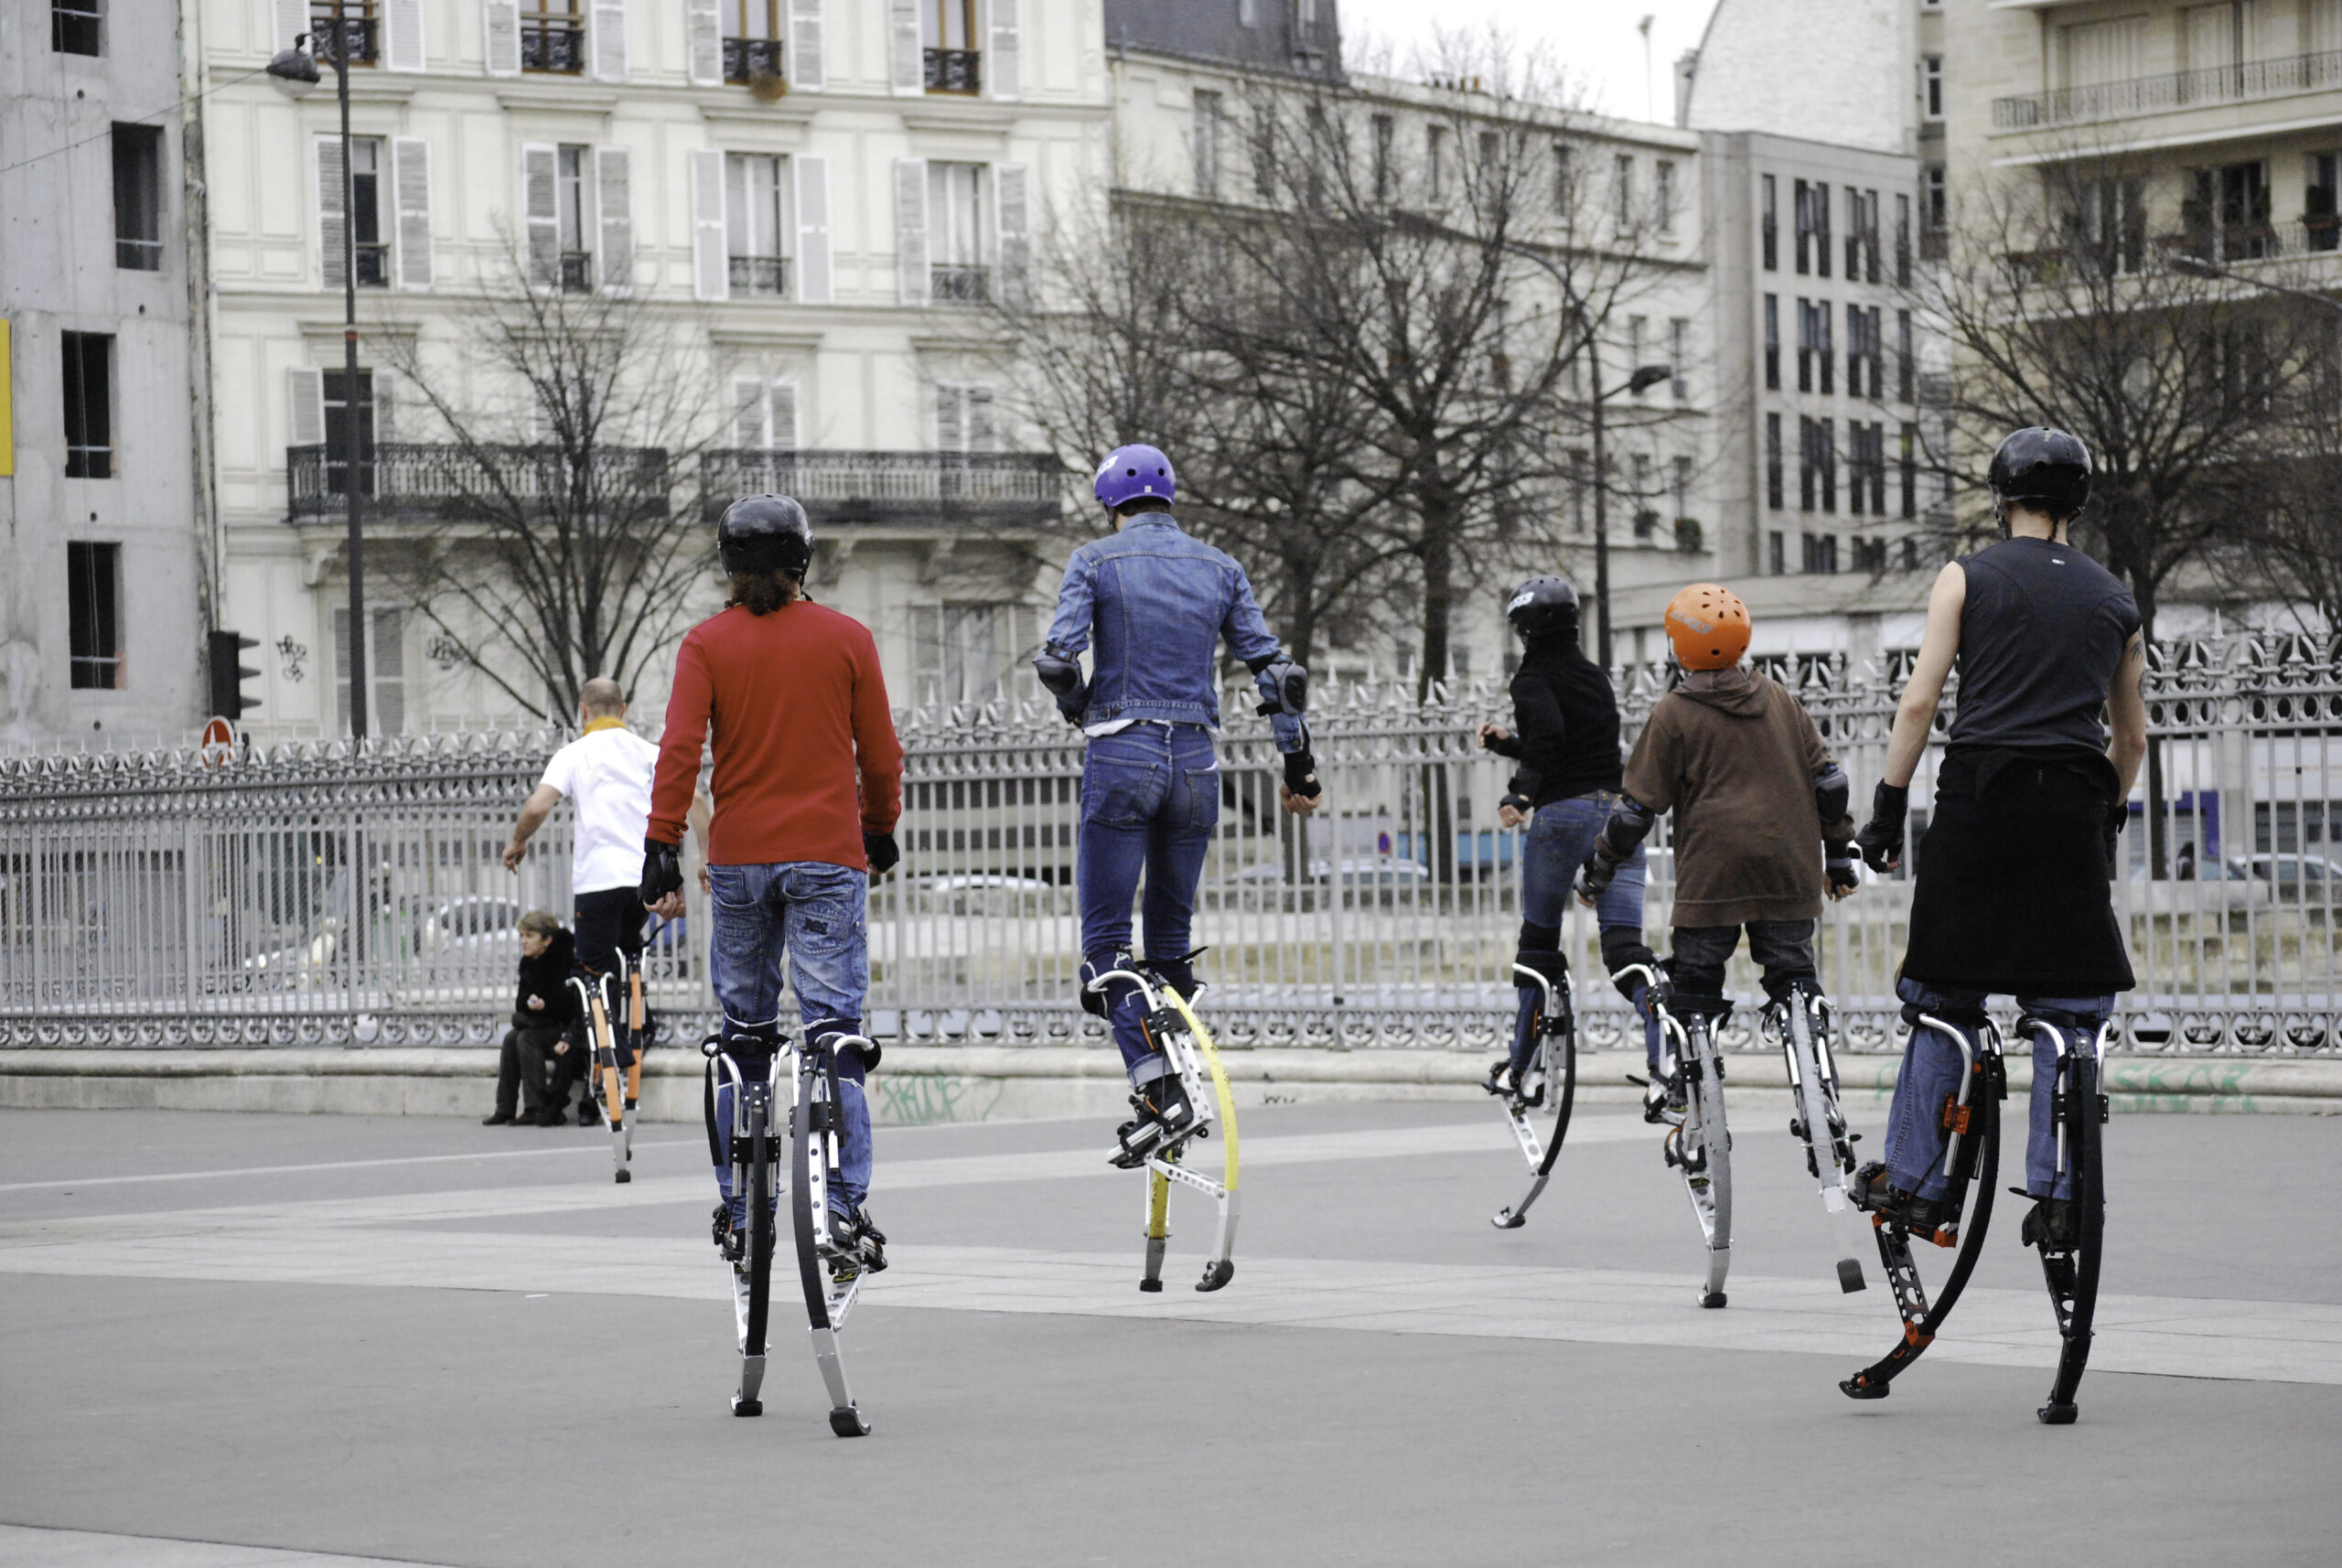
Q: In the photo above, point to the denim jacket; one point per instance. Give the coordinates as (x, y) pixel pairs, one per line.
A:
(1158, 601)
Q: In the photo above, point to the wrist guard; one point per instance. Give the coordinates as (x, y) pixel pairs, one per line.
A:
(1060, 676)
(882, 851)
(662, 871)
(1881, 840)
(1300, 775)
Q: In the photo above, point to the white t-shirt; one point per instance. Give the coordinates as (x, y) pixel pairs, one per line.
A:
(607, 776)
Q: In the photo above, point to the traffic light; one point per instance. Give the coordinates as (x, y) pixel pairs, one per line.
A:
(228, 676)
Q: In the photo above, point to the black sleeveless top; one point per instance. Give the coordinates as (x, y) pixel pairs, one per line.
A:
(2040, 638)
(1567, 716)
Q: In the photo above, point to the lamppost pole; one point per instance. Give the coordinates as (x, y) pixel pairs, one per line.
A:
(1601, 508)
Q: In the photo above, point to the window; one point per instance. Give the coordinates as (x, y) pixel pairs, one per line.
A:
(2321, 212)
(1664, 196)
(337, 412)
(1491, 150)
(1304, 16)
(573, 204)
(955, 233)
(1578, 469)
(1909, 474)
(1824, 349)
(1768, 224)
(138, 198)
(1678, 337)
(1773, 476)
(74, 26)
(755, 187)
(1679, 473)
(948, 28)
(965, 420)
(385, 668)
(1622, 181)
(1209, 114)
(753, 31)
(1435, 156)
(1564, 179)
(553, 36)
(1772, 342)
(1801, 198)
(1866, 469)
(1808, 481)
(1808, 342)
(1645, 515)
(1937, 202)
(373, 250)
(1821, 229)
(2110, 224)
(1861, 235)
(1857, 347)
(1906, 365)
(1634, 324)
(360, 31)
(1825, 437)
(1931, 76)
(1901, 241)
(88, 405)
(2226, 215)
(1817, 477)
(1776, 556)
(1820, 552)
(94, 615)
(969, 653)
(1247, 13)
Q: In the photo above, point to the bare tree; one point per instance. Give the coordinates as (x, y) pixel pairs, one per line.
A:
(560, 533)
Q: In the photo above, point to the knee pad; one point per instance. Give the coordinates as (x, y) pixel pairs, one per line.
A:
(1100, 1004)
(1623, 948)
(854, 1059)
(1535, 938)
(750, 1039)
(1551, 965)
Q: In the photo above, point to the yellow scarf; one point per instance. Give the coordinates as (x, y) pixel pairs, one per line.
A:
(602, 723)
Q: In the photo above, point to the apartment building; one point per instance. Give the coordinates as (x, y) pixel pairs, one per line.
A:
(819, 200)
(107, 580)
(1189, 81)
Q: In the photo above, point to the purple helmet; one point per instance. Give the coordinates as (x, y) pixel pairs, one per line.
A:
(1130, 472)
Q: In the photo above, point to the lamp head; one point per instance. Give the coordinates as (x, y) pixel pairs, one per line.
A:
(294, 72)
(1646, 377)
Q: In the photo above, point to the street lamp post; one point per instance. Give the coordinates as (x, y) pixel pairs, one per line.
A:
(295, 72)
(1644, 378)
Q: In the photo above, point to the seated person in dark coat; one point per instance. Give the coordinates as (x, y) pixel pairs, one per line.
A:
(543, 1009)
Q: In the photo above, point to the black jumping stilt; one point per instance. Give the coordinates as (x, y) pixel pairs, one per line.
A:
(1554, 1024)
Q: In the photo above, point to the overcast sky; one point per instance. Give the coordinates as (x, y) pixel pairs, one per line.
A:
(1594, 40)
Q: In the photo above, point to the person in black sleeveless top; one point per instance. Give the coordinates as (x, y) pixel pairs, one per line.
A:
(1567, 747)
(2011, 896)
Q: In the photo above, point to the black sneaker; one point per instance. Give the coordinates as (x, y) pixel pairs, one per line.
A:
(1871, 1192)
(871, 1241)
(2052, 1221)
(551, 1119)
(500, 1118)
(1500, 1079)
(1164, 1114)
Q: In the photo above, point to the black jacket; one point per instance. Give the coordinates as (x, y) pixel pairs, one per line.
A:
(1565, 724)
(547, 976)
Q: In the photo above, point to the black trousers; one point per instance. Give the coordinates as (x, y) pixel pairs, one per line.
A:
(609, 921)
(521, 1069)
(1782, 949)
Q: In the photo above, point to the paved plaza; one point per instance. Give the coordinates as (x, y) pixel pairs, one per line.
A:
(231, 1340)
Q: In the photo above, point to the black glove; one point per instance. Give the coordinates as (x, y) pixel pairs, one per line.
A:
(1518, 802)
(663, 870)
(1300, 775)
(1838, 865)
(1595, 876)
(879, 849)
(1881, 840)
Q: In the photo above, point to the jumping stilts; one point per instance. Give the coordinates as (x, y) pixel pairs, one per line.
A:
(1802, 1020)
(1172, 1026)
(1555, 1034)
(817, 1125)
(2069, 1264)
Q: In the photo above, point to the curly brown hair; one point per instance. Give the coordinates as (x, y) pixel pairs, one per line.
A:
(761, 593)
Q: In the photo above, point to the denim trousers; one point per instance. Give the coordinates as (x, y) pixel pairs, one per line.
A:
(1561, 836)
(1930, 1075)
(1150, 799)
(814, 913)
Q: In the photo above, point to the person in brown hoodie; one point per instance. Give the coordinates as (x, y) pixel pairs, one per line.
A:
(1761, 824)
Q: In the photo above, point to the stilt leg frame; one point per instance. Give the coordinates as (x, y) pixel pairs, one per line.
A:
(1556, 1027)
(2070, 1268)
(1189, 1047)
(1802, 1018)
(816, 1122)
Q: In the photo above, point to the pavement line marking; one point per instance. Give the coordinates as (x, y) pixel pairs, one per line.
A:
(36, 1546)
(2294, 1342)
(333, 1165)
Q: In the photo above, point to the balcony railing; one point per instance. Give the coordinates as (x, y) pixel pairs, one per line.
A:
(553, 45)
(907, 488)
(358, 32)
(950, 282)
(745, 59)
(447, 482)
(2178, 90)
(576, 271)
(760, 275)
(954, 70)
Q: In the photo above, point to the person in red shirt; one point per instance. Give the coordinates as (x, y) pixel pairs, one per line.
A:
(808, 787)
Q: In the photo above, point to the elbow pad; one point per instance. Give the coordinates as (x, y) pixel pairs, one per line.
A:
(1284, 685)
(1630, 823)
(1060, 675)
(1833, 793)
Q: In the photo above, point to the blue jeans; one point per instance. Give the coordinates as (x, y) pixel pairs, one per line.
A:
(1150, 799)
(1930, 1075)
(1561, 835)
(813, 912)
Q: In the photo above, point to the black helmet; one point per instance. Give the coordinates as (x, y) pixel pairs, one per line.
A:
(2046, 467)
(765, 534)
(1543, 606)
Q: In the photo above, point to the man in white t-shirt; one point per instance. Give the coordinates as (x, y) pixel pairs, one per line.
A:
(605, 774)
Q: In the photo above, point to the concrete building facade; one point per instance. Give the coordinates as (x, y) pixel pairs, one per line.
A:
(108, 575)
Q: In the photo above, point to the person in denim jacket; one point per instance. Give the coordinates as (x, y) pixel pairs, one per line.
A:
(1152, 605)
(1566, 742)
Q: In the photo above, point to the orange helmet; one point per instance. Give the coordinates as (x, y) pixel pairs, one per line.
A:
(1709, 626)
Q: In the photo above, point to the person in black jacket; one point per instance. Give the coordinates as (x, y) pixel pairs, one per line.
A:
(543, 1009)
(1567, 746)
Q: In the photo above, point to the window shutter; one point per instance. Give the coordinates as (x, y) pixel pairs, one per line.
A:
(307, 388)
(950, 418)
(403, 34)
(705, 35)
(711, 274)
(386, 669)
(813, 273)
(906, 56)
(610, 40)
(542, 206)
(614, 204)
(501, 23)
(1012, 239)
(329, 213)
(411, 165)
(750, 430)
(806, 71)
(292, 19)
(784, 416)
(910, 230)
(984, 436)
(1003, 71)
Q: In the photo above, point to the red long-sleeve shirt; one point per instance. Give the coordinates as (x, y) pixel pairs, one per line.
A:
(799, 709)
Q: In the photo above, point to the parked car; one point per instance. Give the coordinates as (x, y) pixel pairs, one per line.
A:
(2317, 878)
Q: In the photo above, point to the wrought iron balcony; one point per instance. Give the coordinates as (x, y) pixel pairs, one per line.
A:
(954, 70)
(445, 482)
(760, 275)
(2175, 91)
(745, 59)
(552, 44)
(901, 488)
(950, 282)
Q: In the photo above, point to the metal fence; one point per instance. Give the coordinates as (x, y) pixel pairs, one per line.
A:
(317, 894)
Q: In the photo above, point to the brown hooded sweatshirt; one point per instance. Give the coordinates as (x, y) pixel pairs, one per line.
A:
(1734, 755)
